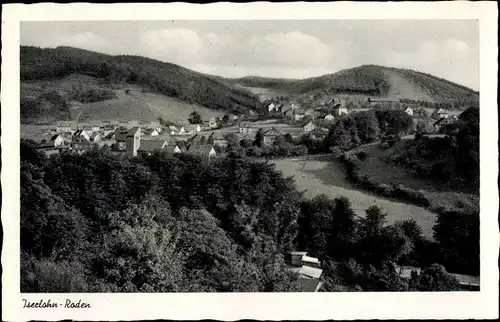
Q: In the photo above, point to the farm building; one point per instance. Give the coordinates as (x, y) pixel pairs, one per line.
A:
(95, 137)
(79, 145)
(204, 151)
(212, 123)
(328, 117)
(308, 269)
(408, 111)
(58, 140)
(83, 133)
(151, 132)
(173, 130)
(269, 136)
(128, 140)
(148, 146)
(218, 139)
(299, 116)
(246, 128)
(192, 128)
(338, 110)
(308, 127)
(439, 113)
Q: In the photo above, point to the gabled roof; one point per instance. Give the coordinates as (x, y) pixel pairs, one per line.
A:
(152, 145)
(217, 136)
(133, 131)
(93, 136)
(304, 124)
(170, 148)
(200, 149)
(310, 284)
(272, 132)
(55, 137)
(441, 120)
(148, 131)
(172, 128)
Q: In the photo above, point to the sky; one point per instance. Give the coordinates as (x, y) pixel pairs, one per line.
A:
(278, 48)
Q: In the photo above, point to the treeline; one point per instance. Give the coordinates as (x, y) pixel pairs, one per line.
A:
(448, 106)
(355, 129)
(368, 80)
(98, 222)
(347, 132)
(452, 158)
(50, 105)
(56, 105)
(165, 78)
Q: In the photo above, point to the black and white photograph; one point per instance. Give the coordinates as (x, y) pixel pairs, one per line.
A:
(249, 156)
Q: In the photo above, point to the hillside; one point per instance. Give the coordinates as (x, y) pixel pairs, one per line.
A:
(129, 102)
(106, 73)
(370, 80)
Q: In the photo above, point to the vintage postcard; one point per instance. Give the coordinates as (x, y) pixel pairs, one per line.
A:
(250, 161)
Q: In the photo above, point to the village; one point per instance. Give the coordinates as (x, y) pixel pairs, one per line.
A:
(209, 138)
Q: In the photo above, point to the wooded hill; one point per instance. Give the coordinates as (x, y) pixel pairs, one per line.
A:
(39, 64)
(371, 80)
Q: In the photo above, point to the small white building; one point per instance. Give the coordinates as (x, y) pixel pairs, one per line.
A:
(409, 111)
(58, 140)
(329, 117)
(308, 269)
(212, 123)
(172, 130)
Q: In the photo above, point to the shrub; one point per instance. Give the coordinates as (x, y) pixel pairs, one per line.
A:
(384, 145)
(361, 155)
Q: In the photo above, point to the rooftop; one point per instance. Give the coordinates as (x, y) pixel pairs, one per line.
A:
(151, 145)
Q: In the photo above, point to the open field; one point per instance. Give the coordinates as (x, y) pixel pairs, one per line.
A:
(328, 177)
(264, 93)
(439, 194)
(134, 106)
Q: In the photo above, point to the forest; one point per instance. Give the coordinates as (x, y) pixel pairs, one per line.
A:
(99, 222)
(449, 158)
(156, 76)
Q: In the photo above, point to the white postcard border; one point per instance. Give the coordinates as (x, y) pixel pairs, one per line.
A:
(275, 306)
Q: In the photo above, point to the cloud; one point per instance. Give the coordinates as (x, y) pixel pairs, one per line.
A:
(176, 45)
(452, 59)
(447, 49)
(86, 40)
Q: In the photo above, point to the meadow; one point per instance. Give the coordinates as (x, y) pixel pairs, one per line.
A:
(323, 176)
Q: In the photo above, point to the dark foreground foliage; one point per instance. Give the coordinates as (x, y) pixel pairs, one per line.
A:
(98, 222)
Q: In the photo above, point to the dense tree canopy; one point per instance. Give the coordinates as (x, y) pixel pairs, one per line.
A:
(160, 223)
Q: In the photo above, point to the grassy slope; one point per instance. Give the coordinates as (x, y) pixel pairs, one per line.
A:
(439, 193)
(367, 80)
(163, 78)
(136, 105)
(326, 177)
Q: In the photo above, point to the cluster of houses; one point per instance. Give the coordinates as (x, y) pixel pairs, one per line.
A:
(121, 139)
(141, 138)
(295, 112)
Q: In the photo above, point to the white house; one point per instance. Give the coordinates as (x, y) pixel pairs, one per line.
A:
(409, 111)
(338, 110)
(299, 116)
(212, 123)
(308, 127)
(58, 140)
(83, 134)
(329, 117)
(172, 129)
